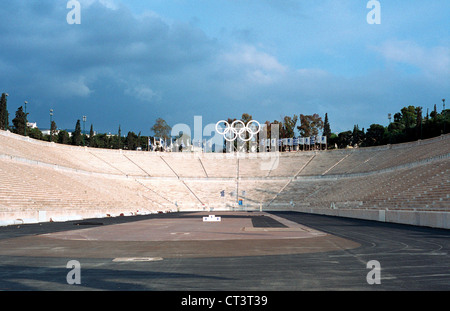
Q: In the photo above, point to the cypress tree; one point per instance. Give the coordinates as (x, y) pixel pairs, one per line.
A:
(419, 127)
(20, 121)
(119, 138)
(91, 137)
(326, 129)
(53, 129)
(3, 113)
(76, 137)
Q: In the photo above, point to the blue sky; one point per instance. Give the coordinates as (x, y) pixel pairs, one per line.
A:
(131, 62)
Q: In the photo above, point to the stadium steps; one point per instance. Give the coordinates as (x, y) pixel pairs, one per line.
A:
(421, 189)
(220, 166)
(322, 162)
(168, 181)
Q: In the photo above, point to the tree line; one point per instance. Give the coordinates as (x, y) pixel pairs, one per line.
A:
(408, 124)
(20, 126)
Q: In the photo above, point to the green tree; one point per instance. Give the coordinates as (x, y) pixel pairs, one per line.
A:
(104, 141)
(20, 121)
(4, 115)
(395, 133)
(246, 118)
(333, 141)
(375, 135)
(310, 125)
(118, 144)
(357, 136)
(92, 138)
(35, 133)
(434, 113)
(161, 129)
(326, 129)
(409, 116)
(344, 139)
(419, 125)
(288, 129)
(132, 141)
(446, 121)
(63, 137)
(76, 135)
(53, 129)
(143, 142)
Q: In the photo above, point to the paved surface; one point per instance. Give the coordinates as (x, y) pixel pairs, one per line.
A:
(282, 251)
(233, 226)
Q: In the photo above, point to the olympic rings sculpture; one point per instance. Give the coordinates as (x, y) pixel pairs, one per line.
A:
(238, 129)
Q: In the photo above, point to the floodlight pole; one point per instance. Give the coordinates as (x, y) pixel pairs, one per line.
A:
(51, 122)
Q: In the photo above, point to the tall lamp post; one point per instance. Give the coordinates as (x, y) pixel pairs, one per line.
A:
(26, 119)
(84, 123)
(51, 122)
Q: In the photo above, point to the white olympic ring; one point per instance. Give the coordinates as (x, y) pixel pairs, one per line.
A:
(238, 131)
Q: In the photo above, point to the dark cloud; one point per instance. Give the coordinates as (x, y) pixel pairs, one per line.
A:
(112, 53)
(117, 67)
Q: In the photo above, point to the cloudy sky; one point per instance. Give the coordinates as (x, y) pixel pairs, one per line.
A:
(131, 62)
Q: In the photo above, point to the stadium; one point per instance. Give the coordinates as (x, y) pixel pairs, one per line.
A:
(258, 217)
(405, 183)
(135, 209)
